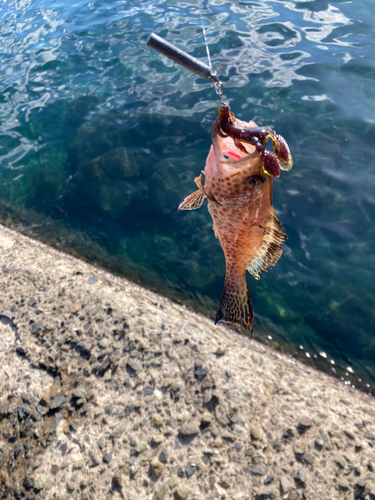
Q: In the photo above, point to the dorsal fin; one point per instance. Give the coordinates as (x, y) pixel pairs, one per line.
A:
(194, 200)
(269, 250)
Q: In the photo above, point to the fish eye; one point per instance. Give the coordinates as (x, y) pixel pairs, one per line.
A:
(255, 180)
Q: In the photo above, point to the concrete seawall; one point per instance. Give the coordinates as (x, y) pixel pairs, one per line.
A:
(108, 390)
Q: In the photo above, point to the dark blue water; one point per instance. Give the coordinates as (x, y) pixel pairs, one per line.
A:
(101, 139)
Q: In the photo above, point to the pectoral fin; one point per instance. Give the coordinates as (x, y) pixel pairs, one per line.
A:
(269, 250)
(194, 200)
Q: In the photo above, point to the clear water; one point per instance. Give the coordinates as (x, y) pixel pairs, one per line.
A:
(101, 139)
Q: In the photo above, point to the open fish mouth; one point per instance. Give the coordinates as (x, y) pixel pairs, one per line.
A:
(234, 152)
(248, 133)
(226, 151)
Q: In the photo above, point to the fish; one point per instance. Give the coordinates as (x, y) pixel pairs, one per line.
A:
(238, 190)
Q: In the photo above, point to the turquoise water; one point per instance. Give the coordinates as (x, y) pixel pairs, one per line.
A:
(101, 139)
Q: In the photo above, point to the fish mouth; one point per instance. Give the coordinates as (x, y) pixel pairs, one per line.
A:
(228, 153)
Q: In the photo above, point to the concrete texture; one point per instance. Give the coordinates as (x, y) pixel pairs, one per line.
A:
(110, 391)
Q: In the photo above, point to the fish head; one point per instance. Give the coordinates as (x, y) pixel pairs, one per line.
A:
(232, 176)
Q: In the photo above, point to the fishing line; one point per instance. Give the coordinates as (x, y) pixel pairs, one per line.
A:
(215, 82)
(207, 48)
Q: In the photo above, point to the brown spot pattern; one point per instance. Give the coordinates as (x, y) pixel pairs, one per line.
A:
(244, 221)
(247, 227)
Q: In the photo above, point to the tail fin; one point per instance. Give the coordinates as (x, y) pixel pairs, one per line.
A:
(235, 305)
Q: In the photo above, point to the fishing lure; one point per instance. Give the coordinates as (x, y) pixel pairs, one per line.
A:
(272, 162)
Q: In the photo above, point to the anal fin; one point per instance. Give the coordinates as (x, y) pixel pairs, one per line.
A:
(269, 250)
(194, 200)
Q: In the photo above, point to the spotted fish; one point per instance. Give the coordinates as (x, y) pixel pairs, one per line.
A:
(239, 200)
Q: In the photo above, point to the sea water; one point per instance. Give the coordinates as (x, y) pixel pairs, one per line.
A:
(101, 138)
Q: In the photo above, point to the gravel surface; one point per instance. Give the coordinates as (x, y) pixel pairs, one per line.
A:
(110, 391)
